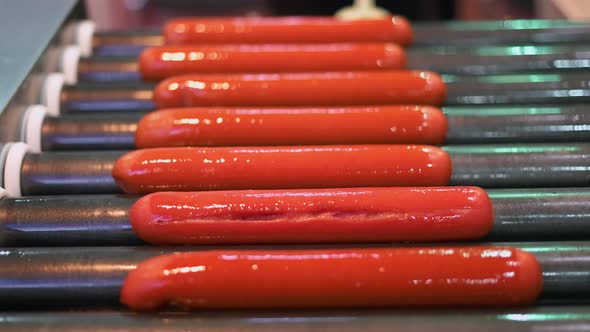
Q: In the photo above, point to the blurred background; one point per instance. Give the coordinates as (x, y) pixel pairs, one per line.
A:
(130, 14)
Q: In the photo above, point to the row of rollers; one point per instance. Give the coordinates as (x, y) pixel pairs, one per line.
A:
(102, 273)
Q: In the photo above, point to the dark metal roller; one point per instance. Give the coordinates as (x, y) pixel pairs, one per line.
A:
(119, 50)
(467, 64)
(126, 69)
(489, 25)
(578, 49)
(66, 220)
(514, 124)
(541, 318)
(554, 88)
(108, 69)
(488, 166)
(467, 125)
(93, 131)
(78, 275)
(500, 32)
(54, 173)
(526, 165)
(107, 97)
(519, 214)
(540, 214)
(461, 90)
(521, 81)
(130, 43)
(125, 42)
(108, 42)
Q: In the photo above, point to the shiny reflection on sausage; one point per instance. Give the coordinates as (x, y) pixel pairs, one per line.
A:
(379, 277)
(291, 126)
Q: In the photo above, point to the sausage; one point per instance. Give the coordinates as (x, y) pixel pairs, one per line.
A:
(313, 216)
(369, 277)
(302, 89)
(157, 63)
(264, 30)
(326, 166)
(291, 126)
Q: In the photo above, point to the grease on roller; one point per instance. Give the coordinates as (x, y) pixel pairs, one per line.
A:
(371, 277)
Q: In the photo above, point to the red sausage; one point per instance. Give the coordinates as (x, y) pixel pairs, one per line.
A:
(157, 63)
(327, 166)
(263, 30)
(313, 215)
(291, 126)
(372, 277)
(300, 89)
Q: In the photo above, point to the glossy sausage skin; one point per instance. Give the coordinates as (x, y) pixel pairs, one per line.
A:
(418, 214)
(157, 63)
(243, 126)
(327, 166)
(370, 277)
(264, 30)
(302, 89)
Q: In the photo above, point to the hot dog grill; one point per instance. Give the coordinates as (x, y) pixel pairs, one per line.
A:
(518, 126)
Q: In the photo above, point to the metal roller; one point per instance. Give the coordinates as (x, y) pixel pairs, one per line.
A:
(82, 275)
(107, 98)
(519, 81)
(495, 50)
(108, 69)
(491, 25)
(69, 173)
(90, 131)
(467, 125)
(550, 88)
(542, 318)
(66, 220)
(510, 124)
(461, 90)
(520, 166)
(513, 32)
(519, 214)
(126, 42)
(487, 166)
(468, 62)
(129, 43)
(540, 214)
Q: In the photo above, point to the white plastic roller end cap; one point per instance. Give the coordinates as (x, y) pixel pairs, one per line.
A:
(33, 122)
(12, 169)
(3, 154)
(51, 93)
(69, 64)
(84, 36)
